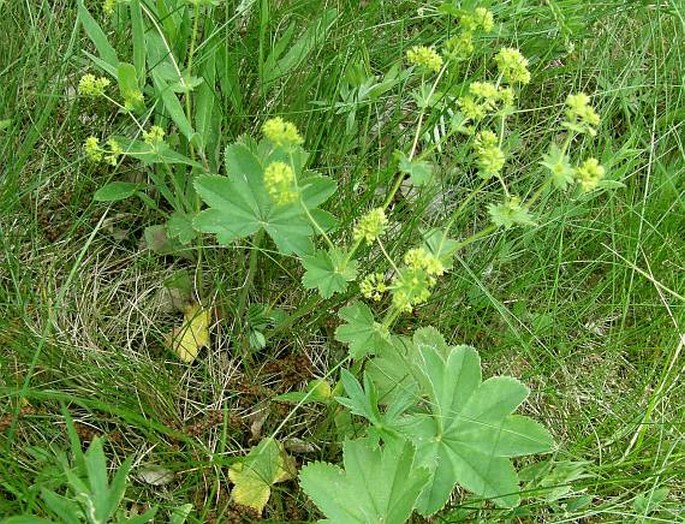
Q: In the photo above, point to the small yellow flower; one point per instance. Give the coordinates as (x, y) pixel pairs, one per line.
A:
(115, 151)
(411, 287)
(471, 109)
(373, 286)
(589, 174)
(109, 5)
(279, 181)
(419, 258)
(92, 149)
(282, 133)
(485, 19)
(459, 48)
(513, 66)
(425, 58)
(370, 226)
(91, 86)
(155, 136)
(580, 115)
(490, 156)
(133, 99)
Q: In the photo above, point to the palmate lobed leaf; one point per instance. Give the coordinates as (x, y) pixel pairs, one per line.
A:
(239, 204)
(360, 331)
(469, 433)
(265, 465)
(329, 272)
(378, 484)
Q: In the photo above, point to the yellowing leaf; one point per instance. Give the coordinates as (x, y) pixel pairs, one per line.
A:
(265, 465)
(187, 340)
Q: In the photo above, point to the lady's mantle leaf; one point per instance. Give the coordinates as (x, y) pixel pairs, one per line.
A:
(361, 332)
(469, 434)
(420, 172)
(239, 204)
(377, 485)
(187, 340)
(329, 272)
(265, 465)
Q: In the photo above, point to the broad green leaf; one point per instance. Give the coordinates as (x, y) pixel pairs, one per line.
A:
(29, 519)
(376, 485)
(180, 514)
(394, 368)
(66, 509)
(96, 467)
(468, 433)
(115, 191)
(265, 465)
(440, 245)
(97, 36)
(128, 83)
(329, 272)
(420, 172)
(318, 390)
(180, 226)
(364, 402)
(239, 205)
(361, 332)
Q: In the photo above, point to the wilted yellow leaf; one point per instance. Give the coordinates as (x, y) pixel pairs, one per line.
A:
(187, 340)
(265, 465)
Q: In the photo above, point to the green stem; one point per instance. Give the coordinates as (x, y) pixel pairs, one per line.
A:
(249, 279)
(398, 181)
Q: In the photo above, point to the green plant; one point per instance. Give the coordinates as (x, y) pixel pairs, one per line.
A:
(92, 496)
(449, 426)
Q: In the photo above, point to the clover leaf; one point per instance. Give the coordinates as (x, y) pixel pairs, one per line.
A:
(377, 484)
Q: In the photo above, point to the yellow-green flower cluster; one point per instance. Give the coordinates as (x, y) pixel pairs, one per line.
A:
(373, 286)
(490, 157)
(489, 95)
(419, 258)
(279, 181)
(459, 47)
(282, 133)
(513, 66)
(481, 18)
(115, 151)
(580, 115)
(589, 174)
(109, 5)
(413, 283)
(154, 136)
(425, 58)
(91, 86)
(370, 226)
(92, 149)
(133, 99)
(96, 153)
